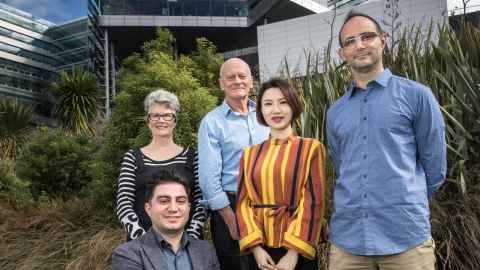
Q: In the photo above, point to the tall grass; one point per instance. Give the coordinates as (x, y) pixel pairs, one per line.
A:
(450, 66)
(57, 235)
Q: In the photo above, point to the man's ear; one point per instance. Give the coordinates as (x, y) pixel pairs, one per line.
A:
(220, 83)
(147, 208)
(383, 39)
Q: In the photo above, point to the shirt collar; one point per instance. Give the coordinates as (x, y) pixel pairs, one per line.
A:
(226, 109)
(165, 244)
(381, 79)
(291, 138)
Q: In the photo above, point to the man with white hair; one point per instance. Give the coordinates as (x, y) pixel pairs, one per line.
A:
(223, 134)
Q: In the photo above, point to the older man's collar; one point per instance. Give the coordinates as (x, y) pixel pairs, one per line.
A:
(226, 109)
(381, 79)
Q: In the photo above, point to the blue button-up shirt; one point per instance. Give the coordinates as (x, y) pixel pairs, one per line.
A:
(387, 143)
(179, 260)
(222, 136)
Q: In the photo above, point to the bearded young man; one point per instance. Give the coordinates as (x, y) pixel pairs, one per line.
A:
(386, 137)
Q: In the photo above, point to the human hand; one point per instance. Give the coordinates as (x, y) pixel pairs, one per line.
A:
(229, 217)
(263, 259)
(288, 261)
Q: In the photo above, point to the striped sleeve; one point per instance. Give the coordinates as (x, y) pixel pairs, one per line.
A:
(195, 228)
(250, 233)
(126, 197)
(303, 232)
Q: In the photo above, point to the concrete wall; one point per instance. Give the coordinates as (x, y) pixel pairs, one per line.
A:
(292, 40)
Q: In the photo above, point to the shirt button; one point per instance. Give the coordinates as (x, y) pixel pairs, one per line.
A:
(365, 215)
(365, 195)
(364, 156)
(365, 100)
(364, 176)
(364, 118)
(364, 137)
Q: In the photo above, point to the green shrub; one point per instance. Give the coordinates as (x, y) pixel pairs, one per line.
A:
(141, 74)
(12, 189)
(15, 120)
(55, 163)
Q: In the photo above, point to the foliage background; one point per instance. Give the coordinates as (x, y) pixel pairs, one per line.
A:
(141, 74)
(55, 164)
(54, 233)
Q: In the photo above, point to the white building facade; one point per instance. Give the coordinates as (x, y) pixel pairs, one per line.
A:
(292, 42)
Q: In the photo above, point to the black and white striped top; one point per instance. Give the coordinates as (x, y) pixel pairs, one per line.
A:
(127, 187)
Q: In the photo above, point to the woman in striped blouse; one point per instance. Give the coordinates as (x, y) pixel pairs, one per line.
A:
(281, 187)
(139, 165)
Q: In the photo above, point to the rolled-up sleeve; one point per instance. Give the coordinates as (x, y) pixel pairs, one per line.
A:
(429, 129)
(210, 167)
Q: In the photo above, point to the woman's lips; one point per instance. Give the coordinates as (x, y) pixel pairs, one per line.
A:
(277, 119)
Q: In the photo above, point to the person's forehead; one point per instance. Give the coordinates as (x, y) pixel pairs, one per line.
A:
(273, 92)
(236, 67)
(358, 24)
(160, 107)
(171, 190)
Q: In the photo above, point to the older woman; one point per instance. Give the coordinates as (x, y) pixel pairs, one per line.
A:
(281, 187)
(139, 164)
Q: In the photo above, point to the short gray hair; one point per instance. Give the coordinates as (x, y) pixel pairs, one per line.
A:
(162, 96)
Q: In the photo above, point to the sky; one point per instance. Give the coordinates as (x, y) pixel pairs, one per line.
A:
(56, 11)
(60, 11)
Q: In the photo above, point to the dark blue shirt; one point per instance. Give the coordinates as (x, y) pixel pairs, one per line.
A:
(387, 143)
(179, 260)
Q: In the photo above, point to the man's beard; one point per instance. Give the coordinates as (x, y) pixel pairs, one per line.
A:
(366, 68)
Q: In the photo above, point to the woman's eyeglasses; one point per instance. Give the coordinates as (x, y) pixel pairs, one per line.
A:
(165, 116)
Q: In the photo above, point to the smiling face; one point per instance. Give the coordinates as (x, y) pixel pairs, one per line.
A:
(161, 120)
(364, 55)
(169, 208)
(275, 110)
(235, 80)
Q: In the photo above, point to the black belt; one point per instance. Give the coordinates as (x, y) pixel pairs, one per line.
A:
(266, 206)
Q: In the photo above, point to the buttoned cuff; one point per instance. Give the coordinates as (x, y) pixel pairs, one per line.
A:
(219, 201)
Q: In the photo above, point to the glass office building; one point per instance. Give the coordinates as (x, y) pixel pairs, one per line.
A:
(27, 55)
(224, 8)
(33, 51)
(71, 38)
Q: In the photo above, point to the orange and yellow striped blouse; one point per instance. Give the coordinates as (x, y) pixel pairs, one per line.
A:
(281, 186)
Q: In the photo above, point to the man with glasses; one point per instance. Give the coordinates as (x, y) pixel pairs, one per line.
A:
(223, 134)
(387, 141)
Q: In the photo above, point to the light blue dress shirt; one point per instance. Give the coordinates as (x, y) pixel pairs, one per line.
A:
(175, 261)
(387, 143)
(222, 136)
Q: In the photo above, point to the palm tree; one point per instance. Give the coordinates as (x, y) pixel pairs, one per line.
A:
(77, 100)
(14, 120)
